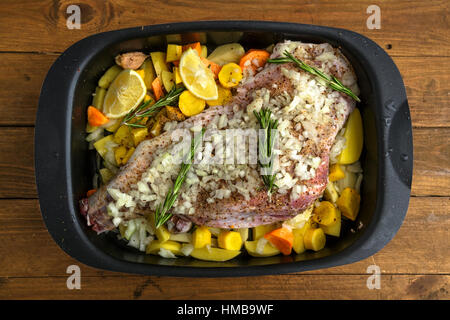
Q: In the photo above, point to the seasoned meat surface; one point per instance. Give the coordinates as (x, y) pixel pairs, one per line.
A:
(310, 116)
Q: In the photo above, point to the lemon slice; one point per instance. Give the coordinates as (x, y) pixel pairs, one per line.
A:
(197, 77)
(124, 94)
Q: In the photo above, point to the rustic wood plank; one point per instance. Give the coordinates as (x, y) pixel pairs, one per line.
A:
(16, 163)
(409, 28)
(414, 265)
(431, 175)
(427, 88)
(20, 85)
(431, 168)
(27, 249)
(310, 287)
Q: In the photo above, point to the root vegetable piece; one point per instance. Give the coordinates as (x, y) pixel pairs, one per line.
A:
(131, 60)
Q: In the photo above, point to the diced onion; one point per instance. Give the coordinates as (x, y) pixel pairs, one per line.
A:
(260, 245)
(187, 249)
(166, 253)
(96, 135)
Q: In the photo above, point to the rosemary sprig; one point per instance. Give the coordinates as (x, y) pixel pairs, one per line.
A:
(265, 144)
(141, 111)
(331, 81)
(162, 213)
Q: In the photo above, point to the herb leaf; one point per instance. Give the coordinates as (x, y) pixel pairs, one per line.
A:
(331, 81)
(142, 112)
(265, 146)
(162, 213)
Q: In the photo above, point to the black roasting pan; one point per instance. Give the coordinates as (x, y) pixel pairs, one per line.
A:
(64, 171)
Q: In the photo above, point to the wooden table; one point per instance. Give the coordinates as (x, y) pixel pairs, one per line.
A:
(415, 264)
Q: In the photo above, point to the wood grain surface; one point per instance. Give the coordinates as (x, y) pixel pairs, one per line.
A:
(414, 265)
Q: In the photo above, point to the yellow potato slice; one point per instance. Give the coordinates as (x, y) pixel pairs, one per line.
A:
(214, 254)
(268, 250)
(354, 139)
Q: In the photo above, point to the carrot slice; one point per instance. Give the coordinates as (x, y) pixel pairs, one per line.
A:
(96, 117)
(252, 57)
(157, 88)
(91, 192)
(214, 67)
(190, 37)
(282, 239)
(196, 46)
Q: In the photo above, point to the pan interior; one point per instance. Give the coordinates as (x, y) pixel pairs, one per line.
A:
(83, 160)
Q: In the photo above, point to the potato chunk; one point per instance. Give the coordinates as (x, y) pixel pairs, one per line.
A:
(201, 237)
(298, 245)
(330, 193)
(268, 250)
(231, 52)
(314, 239)
(261, 230)
(174, 52)
(325, 213)
(214, 254)
(159, 63)
(354, 139)
(109, 76)
(335, 228)
(336, 173)
(348, 203)
(230, 240)
(156, 245)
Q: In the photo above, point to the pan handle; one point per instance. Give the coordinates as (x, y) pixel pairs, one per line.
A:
(400, 140)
